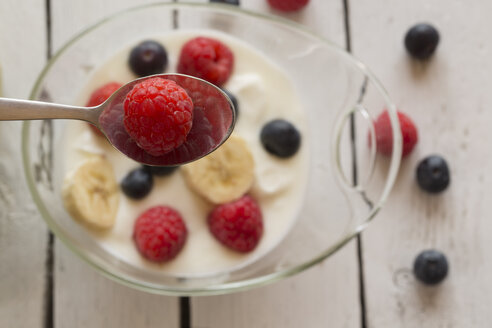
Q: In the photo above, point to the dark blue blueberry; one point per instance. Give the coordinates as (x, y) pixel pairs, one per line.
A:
(430, 267)
(161, 170)
(229, 2)
(280, 138)
(147, 58)
(138, 183)
(421, 41)
(433, 174)
(233, 100)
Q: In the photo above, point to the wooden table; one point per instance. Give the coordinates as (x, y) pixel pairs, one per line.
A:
(366, 284)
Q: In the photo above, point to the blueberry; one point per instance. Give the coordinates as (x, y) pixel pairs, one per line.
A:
(280, 138)
(160, 171)
(229, 2)
(430, 267)
(233, 99)
(421, 40)
(138, 183)
(147, 58)
(433, 174)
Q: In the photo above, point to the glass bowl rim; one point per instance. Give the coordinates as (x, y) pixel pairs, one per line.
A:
(228, 287)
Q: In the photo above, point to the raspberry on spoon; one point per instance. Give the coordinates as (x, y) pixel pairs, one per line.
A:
(158, 115)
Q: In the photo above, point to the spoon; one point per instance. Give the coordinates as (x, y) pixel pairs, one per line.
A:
(213, 119)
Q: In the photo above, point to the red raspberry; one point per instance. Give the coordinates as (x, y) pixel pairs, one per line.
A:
(159, 233)
(102, 93)
(384, 137)
(206, 58)
(99, 96)
(158, 115)
(287, 5)
(238, 224)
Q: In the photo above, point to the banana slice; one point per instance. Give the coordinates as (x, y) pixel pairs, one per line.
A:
(224, 175)
(90, 193)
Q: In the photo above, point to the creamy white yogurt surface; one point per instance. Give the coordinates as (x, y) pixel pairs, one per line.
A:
(264, 93)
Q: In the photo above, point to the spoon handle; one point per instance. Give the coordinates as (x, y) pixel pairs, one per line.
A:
(17, 109)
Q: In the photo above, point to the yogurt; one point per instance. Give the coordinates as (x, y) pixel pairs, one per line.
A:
(264, 93)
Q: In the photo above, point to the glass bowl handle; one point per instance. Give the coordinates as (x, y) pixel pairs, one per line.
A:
(348, 118)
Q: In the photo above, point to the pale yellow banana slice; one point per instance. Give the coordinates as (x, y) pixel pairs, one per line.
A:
(91, 194)
(224, 175)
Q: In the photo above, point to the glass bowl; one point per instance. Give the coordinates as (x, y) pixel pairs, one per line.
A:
(348, 180)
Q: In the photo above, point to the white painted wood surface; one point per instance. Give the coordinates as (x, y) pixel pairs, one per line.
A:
(324, 296)
(23, 234)
(449, 98)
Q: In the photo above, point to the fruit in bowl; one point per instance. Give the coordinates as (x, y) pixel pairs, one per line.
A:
(223, 203)
(305, 211)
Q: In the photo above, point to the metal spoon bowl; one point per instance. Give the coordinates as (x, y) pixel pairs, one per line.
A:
(213, 119)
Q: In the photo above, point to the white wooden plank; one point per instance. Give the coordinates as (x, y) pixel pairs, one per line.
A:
(23, 234)
(326, 295)
(71, 17)
(323, 296)
(448, 98)
(83, 297)
(323, 17)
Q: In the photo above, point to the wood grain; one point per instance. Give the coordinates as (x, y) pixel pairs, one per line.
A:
(23, 234)
(320, 297)
(449, 99)
(83, 297)
(324, 295)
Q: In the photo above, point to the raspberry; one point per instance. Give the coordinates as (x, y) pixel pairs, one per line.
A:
(287, 5)
(384, 137)
(238, 224)
(102, 93)
(158, 115)
(206, 58)
(159, 233)
(99, 96)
